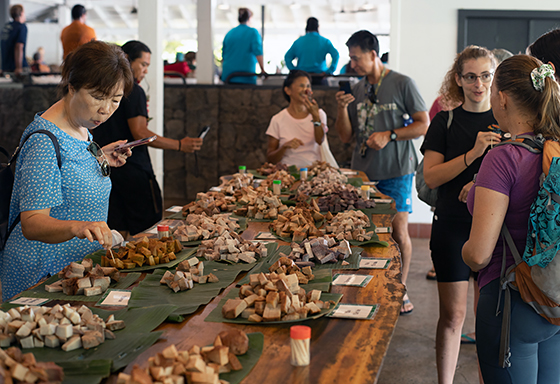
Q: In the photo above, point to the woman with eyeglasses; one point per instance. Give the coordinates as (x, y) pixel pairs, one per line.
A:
(453, 150)
(62, 210)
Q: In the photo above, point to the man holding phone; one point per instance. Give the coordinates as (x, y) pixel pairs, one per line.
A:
(373, 114)
(136, 203)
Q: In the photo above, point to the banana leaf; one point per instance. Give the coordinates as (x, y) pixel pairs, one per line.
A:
(256, 174)
(216, 315)
(39, 291)
(183, 255)
(85, 372)
(380, 209)
(355, 181)
(176, 216)
(248, 360)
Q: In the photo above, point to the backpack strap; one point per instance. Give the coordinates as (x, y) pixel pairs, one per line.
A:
(5, 152)
(532, 143)
(14, 158)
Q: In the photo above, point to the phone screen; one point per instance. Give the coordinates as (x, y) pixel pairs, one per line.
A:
(345, 86)
(136, 143)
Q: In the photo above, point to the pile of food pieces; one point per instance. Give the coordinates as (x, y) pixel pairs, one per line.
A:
(17, 367)
(238, 181)
(342, 200)
(284, 176)
(320, 250)
(202, 226)
(71, 327)
(198, 365)
(232, 247)
(259, 203)
(210, 203)
(318, 167)
(276, 296)
(269, 168)
(350, 225)
(299, 221)
(325, 183)
(84, 279)
(142, 252)
(186, 274)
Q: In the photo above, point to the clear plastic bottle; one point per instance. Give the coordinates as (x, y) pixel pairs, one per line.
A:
(365, 192)
(242, 169)
(303, 174)
(163, 231)
(277, 187)
(407, 120)
(300, 336)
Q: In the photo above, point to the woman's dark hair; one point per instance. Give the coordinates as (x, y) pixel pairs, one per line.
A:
(513, 77)
(366, 40)
(134, 49)
(292, 76)
(244, 14)
(547, 48)
(96, 65)
(78, 11)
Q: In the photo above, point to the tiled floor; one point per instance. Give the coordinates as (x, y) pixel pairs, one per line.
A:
(411, 355)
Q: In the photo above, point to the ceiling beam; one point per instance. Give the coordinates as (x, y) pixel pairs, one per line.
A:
(124, 16)
(103, 16)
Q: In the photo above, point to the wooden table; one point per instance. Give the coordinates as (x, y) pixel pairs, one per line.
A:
(342, 351)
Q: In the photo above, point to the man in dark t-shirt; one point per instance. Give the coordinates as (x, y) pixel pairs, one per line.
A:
(14, 39)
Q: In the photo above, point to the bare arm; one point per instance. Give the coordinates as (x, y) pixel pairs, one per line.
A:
(342, 123)
(261, 64)
(139, 128)
(275, 153)
(490, 209)
(318, 130)
(38, 225)
(18, 55)
(418, 128)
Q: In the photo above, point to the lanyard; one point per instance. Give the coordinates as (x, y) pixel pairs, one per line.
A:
(363, 147)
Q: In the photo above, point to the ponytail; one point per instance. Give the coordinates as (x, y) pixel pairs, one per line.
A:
(548, 118)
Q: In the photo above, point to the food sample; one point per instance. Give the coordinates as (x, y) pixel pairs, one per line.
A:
(350, 225)
(320, 250)
(198, 365)
(259, 203)
(186, 274)
(230, 246)
(342, 200)
(84, 279)
(238, 181)
(202, 226)
(319, 167)
(18, 367)
(143, 252)
(60, 326)
(286, 178)
(298, 221)
(327, 182)
(269, 168)
(210, 203)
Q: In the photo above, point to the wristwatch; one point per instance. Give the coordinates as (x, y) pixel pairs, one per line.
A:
(393, 135)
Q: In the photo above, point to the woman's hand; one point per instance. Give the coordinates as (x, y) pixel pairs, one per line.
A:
(293, 144)
(312, 107)
(191, 144)
(93, 231)
(465, 192)
(116, 158)
(483, 140)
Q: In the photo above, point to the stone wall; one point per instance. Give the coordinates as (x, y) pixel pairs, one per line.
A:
(238, 116)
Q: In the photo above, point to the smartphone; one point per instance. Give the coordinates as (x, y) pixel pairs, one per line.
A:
(203, 132)
(345, 86)
(136, 143)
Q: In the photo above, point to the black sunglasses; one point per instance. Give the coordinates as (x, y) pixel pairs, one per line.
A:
(98, 154)
(371, 94)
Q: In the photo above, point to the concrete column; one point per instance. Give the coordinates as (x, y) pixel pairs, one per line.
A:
(64, 19)
(205, 54)
(150, 32)
(4, 12)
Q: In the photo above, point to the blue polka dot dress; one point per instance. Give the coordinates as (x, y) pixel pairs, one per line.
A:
(77, 191)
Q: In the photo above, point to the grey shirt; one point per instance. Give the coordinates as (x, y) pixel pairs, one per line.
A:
(396, 96)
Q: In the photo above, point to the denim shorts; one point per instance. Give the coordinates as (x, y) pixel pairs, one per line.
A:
(400, 189)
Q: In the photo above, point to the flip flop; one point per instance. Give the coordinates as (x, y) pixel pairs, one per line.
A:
(405, 302)
(466, 339)
(431, 275)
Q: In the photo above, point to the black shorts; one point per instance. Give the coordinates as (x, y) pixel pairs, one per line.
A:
(446, 243)
(135, 203)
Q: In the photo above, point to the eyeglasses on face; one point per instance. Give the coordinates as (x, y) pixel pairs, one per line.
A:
(98, 154)
(470, 78)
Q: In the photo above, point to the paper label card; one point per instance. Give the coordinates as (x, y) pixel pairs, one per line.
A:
(265, 236)
(383, 230)
(354, 311)
(349, 173)
(29, 301)
(372, 263)
(352, 280)
(215, 189)
(383, 201)
(115, 297)
(175, 209)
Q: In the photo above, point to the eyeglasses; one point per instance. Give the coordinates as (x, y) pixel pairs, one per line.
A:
(98, 154)
(470, 78)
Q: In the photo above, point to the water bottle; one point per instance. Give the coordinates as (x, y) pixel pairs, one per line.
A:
(407, 119)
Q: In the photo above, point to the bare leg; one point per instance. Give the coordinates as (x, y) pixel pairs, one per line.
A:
(452, 312)
(402, 237)
(476, 297)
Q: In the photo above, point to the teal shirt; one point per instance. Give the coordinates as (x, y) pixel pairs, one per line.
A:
(241, 47)
(311, 51)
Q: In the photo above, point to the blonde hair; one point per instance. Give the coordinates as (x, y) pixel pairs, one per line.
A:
(513, 77)
(451, 94)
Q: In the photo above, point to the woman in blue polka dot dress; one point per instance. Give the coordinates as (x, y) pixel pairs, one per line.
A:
(64, 210)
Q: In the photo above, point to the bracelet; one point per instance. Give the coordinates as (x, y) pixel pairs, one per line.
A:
(465, 159)
(179, 149)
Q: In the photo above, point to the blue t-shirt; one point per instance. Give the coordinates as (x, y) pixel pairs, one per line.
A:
(76, 191)
(311, 51)
(241, 47)
(14, 32)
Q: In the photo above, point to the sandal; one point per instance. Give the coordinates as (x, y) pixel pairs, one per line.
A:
(406, 302)
(466, 339)
(431, 275)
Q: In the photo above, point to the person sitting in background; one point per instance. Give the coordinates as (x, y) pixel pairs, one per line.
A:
(311, 51)
(179, 66)
(190, 58)
(38, 64)
(63, 210)
(77, 33)
(296, 133)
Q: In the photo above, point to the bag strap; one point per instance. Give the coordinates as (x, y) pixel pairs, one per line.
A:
(449, 119)
(533, 144)
(5, 152)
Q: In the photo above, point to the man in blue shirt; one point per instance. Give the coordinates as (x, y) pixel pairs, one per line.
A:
(311, 51)
(14, 38)
(242, 49)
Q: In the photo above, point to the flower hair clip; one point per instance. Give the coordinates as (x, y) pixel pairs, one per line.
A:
(538, 75)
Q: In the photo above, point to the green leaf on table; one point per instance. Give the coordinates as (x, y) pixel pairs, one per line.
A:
(181, 256)
(248, 360)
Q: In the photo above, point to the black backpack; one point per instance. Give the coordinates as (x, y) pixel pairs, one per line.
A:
(7, 183)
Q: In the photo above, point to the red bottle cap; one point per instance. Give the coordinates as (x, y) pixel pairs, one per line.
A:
(300, 332)
(163, 228)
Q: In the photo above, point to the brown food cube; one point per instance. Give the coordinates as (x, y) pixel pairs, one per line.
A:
(271, 313)
(233, 308)
(115, 325)
(218, 355)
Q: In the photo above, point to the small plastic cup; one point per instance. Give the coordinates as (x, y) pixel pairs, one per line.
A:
(300, 336)
(277, 187)
(242, 169)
